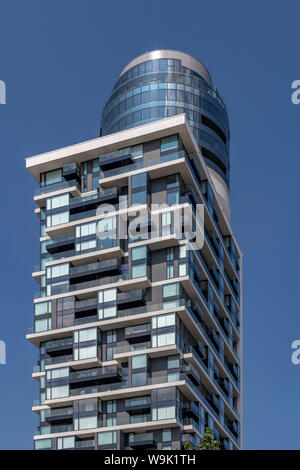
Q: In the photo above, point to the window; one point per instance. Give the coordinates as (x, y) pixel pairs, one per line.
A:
(57, 271)
(170, 271)
(138, 253)
(51, 177)
(42, 325)
(139, 379)
(111, 406)
(139, 361)
(173, 377)
(163, 321)
(166, 222)
(107, 295)
(166, 435)
(139, 418)
(166, 448)
(42, 308)
(111, 336)
(139, 189)
(107, 224)
(169, 143)
(87, 245)
(85, 229)
(139, 270)
(57, 201)
(182, 269)
(168, 412)
(110, 352)
(173, 362)
(95, 165)
(182, 251)
(85, 352)
(57, 392)
(170, 290)
(43, 444)
(170, 254)
(137, 152)
(173, 181)
(87, 334)
(58, 373)
(112, 421)
(65, 442)
(57, 287)
(107, 438)
(163, 340)
(85, 422)
(107, 312)
(172, 198)
(57, 219)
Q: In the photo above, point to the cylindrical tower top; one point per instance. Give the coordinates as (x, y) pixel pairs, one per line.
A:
(164, 83)
(187, 60)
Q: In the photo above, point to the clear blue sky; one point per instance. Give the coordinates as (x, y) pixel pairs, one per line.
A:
(59, 60)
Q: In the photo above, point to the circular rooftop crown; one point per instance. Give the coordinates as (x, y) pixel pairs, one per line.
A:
(187, 60)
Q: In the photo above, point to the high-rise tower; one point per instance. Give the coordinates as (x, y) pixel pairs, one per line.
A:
(138, 333)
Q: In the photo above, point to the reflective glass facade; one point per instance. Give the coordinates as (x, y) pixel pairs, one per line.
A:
(161, 88)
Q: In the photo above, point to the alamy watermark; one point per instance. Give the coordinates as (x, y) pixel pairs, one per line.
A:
(295, 96)
(2, 352)
(2, 92)
(295, 357)
(184, 222)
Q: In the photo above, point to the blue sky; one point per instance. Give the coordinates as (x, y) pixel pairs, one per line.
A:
(59, 60)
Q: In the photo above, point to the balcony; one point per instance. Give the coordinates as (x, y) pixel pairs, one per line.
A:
(61, 244)
(140, 404)
(88, 272)
(71, 172)
(116, 159)
(100, 374)
(190, 410)
(54, 415)
(86, 305)
(87, 444)
(57, 187)
(98, 282)
(136, 333)
(192, 373)
(53, 348)
(130, 299)
(118, 171)
(136, 441)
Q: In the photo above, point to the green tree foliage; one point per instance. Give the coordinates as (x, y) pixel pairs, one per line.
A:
(208, 442)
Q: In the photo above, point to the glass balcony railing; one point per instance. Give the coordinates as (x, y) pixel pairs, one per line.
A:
(99, 282)
(57, 412)
(97, 266)
(56, 187)
(133, 347)
(143, 164)
(89, 443)
(90, 373)
(142, 437)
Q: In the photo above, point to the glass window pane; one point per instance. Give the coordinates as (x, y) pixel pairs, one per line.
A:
(139, 270)
(139, 361)
(170, 290)
(139, 252)
(170, 142)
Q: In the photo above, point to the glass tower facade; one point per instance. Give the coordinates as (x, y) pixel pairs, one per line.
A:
(138, 334)
(163, 87)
